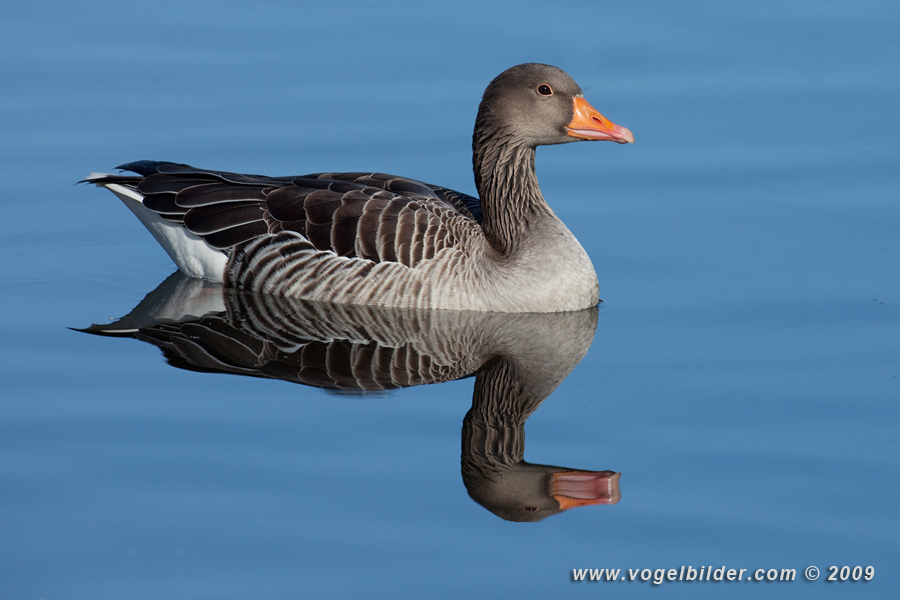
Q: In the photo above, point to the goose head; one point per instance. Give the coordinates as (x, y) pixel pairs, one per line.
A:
(537, 104)
(526, 492)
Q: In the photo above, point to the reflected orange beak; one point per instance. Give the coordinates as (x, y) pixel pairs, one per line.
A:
(584, 488)
(589, 124)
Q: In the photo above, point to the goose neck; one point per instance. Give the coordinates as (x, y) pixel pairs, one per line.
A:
(511, 199)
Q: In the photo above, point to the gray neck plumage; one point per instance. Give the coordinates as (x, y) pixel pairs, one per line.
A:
(510, 196)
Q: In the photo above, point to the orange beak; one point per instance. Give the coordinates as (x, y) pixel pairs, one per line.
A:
(574, 488)
(589, 124)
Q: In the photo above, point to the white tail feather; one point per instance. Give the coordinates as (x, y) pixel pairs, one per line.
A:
(193, 255)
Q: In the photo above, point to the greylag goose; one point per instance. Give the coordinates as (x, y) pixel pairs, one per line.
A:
(376, 239)
(518, 361)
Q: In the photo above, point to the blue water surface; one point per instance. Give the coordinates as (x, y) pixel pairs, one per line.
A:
(743, 377)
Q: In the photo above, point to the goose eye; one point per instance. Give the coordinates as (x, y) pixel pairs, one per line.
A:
(544, 90)
(531, 508)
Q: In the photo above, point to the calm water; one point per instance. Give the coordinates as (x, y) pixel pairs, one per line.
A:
(742, 376)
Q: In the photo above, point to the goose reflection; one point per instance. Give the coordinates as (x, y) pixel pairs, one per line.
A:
(517, 359)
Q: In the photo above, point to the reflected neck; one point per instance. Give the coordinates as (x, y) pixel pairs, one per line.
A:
(493, 435)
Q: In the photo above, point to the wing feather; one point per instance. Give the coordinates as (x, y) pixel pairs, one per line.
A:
(217, 217)
(217, 193)
(371, 216)
(233, 236)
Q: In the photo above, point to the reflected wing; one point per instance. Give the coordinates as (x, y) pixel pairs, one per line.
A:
(215, 345)
(200, 326)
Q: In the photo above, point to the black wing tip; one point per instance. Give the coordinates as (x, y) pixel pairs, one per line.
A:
(144, 168)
